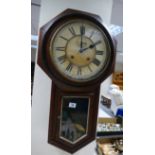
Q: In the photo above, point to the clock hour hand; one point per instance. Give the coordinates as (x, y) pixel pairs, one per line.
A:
(90, 46)
(93, 45)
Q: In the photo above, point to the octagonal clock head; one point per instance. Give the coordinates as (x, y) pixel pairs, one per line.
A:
(76, 49)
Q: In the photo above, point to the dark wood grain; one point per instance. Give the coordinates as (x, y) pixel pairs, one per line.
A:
(62, 86)
(54, 121)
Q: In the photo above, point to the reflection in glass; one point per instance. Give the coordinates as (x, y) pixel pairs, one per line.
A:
(74, 114)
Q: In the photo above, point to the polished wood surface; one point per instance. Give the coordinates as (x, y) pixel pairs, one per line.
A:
(62, 86)
(55, 113)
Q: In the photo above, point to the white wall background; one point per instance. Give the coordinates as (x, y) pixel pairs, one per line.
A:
(117, 19)
(42, 84)
(35, 12)
(50, 8)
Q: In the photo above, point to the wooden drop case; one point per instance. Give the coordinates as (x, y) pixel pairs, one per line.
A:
(74, 105)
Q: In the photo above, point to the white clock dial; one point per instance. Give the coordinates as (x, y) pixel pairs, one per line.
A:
(79, 50)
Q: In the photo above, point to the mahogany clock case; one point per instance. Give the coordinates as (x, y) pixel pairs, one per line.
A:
(44, 55)
(63, 87)
(56, 116)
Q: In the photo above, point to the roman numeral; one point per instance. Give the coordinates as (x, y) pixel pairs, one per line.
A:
(64, 38)
(99, 52)
(89, 69)
(60, 48)
(79, 72)
(72, 31)
(82, 30)
(92, 33)
(96, 62)
(62, 58)
(69, 67)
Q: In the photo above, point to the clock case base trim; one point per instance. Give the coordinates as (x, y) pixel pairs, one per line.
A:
(54, 118)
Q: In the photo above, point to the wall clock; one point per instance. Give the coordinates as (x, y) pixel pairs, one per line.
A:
(77, 52)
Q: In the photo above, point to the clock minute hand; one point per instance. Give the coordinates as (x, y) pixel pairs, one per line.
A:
(81, 42)
(90, 46)
(82, 32)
